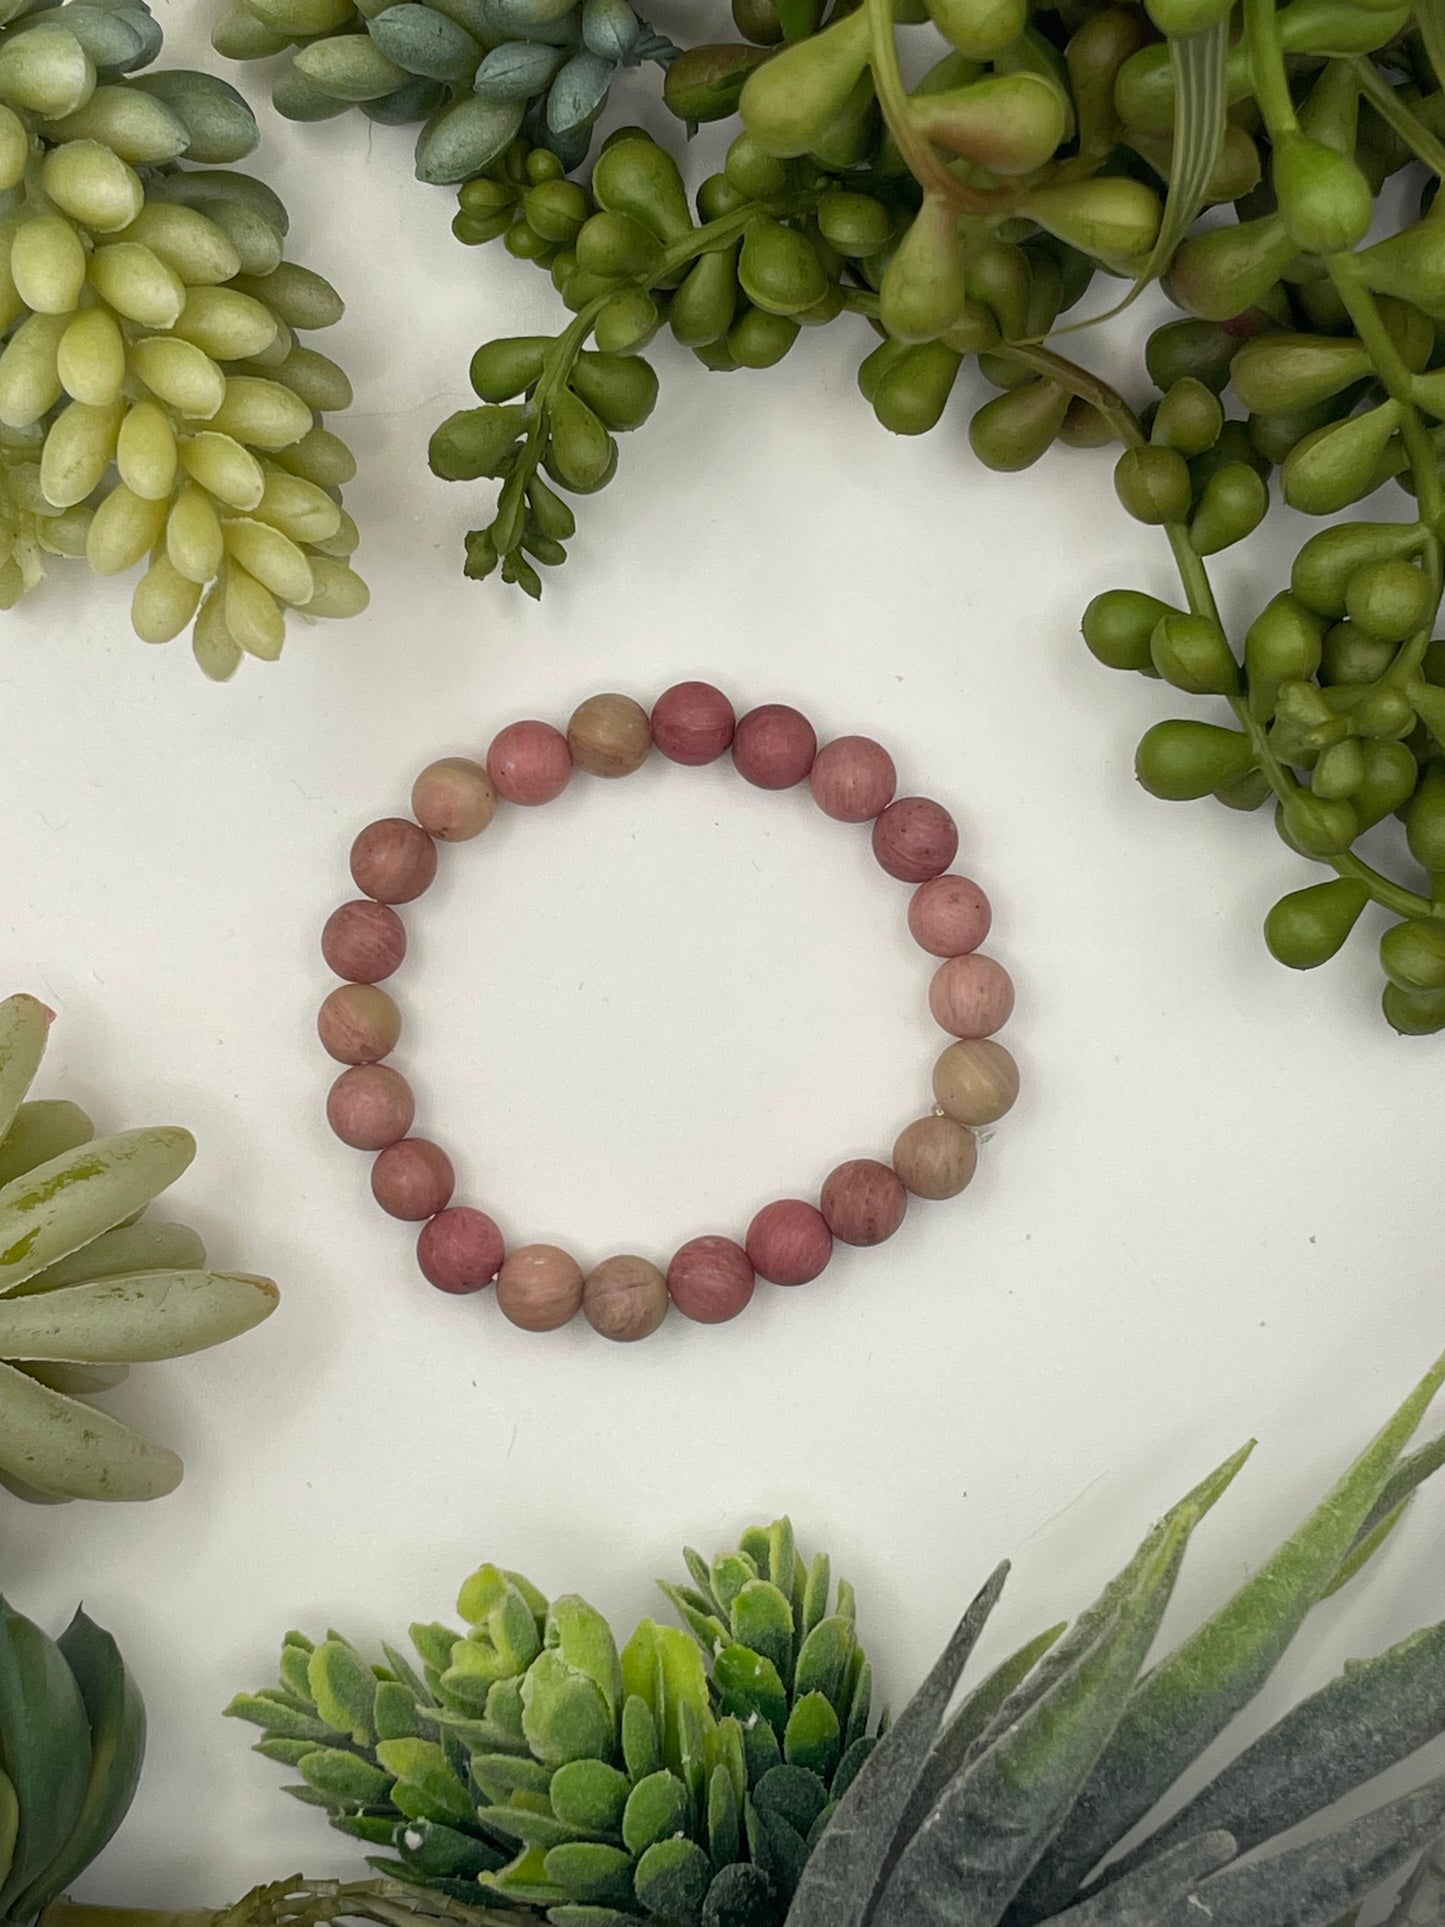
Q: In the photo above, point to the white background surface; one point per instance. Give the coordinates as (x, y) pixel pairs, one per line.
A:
(639, 1013)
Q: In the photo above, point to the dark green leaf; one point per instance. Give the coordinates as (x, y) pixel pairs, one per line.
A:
(1136, 1900)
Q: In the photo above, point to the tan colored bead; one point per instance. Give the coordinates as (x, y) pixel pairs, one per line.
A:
(453, 799)
(539, 1287)
(935, 1157)
(975, 1081)
(625, 1298)
(609, 736)
(359, 1024)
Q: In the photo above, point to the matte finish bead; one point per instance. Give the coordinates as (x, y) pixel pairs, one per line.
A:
(609, 736)
(460, 1250)
(364, 941)
(864, 1202)
(915, 838)
(971, 996)
(529, 763)
(625, 1298)
(393, 860)
(774, 746)
(975, 1081)
(413, 1179)
(853, 779)
(692, 723)
(935, 1157)
(539, 1287)
(359, 1024)
(710, 1280)
(370, 1106)
(453, 799)
(949, 915)
(789, 1242)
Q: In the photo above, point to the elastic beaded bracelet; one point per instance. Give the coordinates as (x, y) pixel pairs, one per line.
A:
(789, 1242)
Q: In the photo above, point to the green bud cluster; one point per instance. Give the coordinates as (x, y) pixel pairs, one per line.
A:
(156, 405)
(476, 73)
(528, 1762)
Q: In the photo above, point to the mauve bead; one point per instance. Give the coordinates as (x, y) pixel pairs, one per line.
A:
(971, 996)
(625, 1298)
(774, 746)
(460, 1250)
(364, 941)
(359, 1024)
(976, 1081)
(915, 838)
(529, 763)
(948, 915)
(935, 1157)
(710, 1280)
(852, 779)
(539, 1287)
(370, 1106)
(394, 860)
(789, 1242)
(692, 723)
(864, 1202)
(609, 736)
(453, 799)
(412, 1179)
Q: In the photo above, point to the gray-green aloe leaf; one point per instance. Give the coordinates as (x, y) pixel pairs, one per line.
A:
(1137, 1899)
(60, 1206)
(161, 1314)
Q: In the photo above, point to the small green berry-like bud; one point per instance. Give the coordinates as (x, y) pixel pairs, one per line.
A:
(1283, 372)
(1417, 1013)
(1191, 653)
(1324, 199)
(1117, 627)
(1232, 505)
(1180, 760)
(1015, 429)
(1322, 570)
(1188, 419)
(1316, 825)
(1391, 599)
(1413, 954)
(1308, 927)
(1153, 484)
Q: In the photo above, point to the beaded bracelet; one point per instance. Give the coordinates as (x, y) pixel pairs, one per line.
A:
(710, 1279)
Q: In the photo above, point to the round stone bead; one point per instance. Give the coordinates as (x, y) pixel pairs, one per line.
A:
(370, 1106)
(971, 996)
(789, 1242)
(609, 736)
(625, 1298)
(710, 1280)
(359, 1024)
(453, 799)
(364, 941)
(949, 915)
(975, 1081)
(774, 746)
(692, 723)
(529, 763)
(539, 1287)
(935, 1157)
(864, 1202)
(413, 1179)
(915, 838)
(853, 779)
(393, 861)
(460, 1250)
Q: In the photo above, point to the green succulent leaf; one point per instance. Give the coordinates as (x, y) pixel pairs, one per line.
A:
(44, 1748)
(1137, 1899)
(343, 1689)
(426, 1787)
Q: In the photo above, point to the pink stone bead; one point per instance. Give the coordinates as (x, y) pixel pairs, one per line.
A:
(370, 1106)
(358, 1024)
(460, 1250)
(453, 799)
(852, 779)
(394, 860)
(864, 1202)
(774, 746)
(529, 762)
(364, 941)
(625, 1298)
(789, 1242)
(692, 723)
(971, 996)
(710, 1280)
(915, 838)
(539, 1287)
(948, 915)
(413, 1179)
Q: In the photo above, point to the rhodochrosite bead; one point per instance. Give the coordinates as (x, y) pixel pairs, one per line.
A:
(460, 1250)
(710, 1280)
(364, 941)
(692, 723)
(774, 747)
(529, 763)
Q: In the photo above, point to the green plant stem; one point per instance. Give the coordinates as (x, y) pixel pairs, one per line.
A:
(1266, 61)
(927, 169)
(1388, 105)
